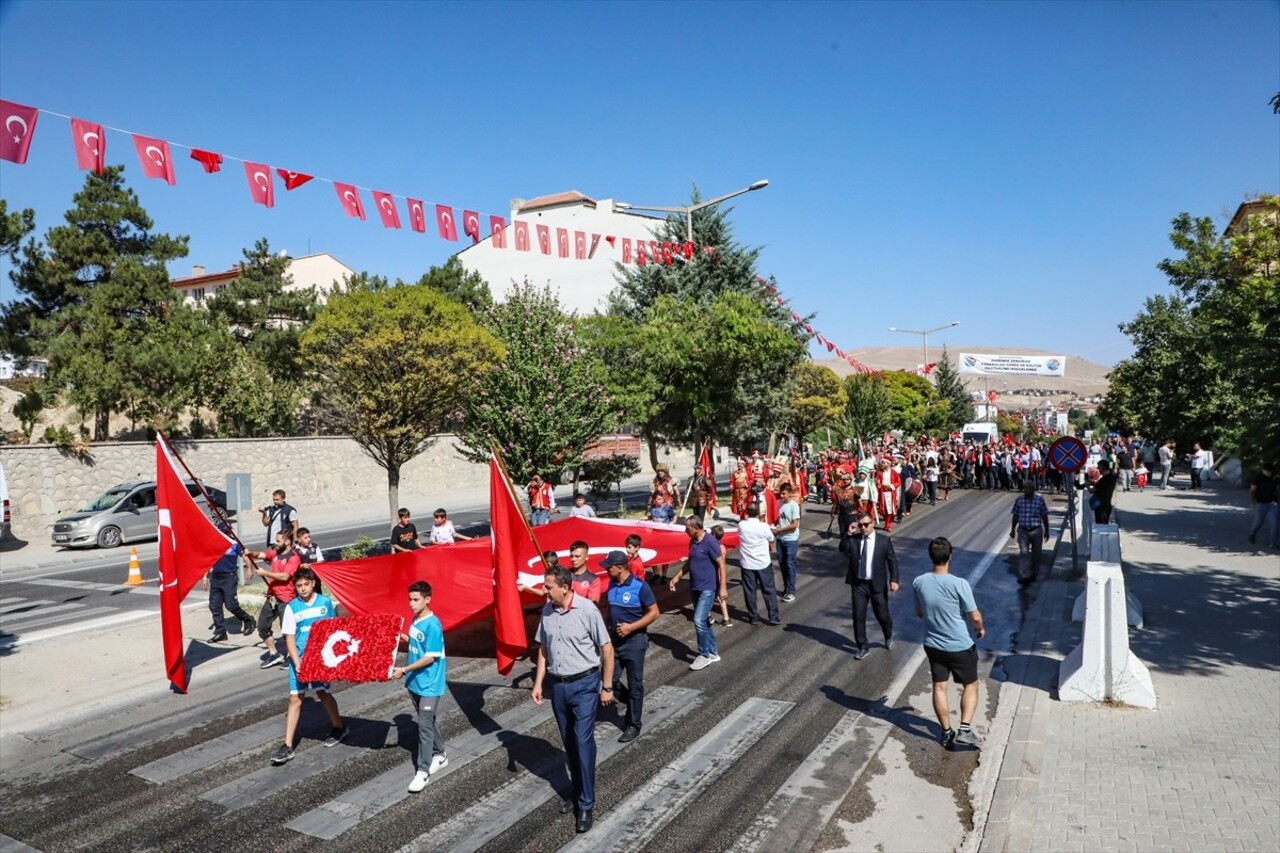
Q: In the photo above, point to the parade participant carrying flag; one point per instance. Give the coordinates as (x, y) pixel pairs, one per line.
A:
(706, 471)
(189, 546)
(513, 546)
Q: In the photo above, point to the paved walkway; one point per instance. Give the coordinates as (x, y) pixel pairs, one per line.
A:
(1202, 771)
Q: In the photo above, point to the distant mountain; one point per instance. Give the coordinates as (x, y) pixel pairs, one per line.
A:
(1083, 378)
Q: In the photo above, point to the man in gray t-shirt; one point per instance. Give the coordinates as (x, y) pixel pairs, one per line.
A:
(943, 601)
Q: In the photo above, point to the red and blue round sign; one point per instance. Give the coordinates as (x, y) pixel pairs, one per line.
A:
(1068, 454)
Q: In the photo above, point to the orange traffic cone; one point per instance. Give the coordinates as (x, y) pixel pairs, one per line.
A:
(135, 571)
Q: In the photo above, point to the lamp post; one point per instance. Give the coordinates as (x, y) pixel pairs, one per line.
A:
(688, 210)
(924, 337)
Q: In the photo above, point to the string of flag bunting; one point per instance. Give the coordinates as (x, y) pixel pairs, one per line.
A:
(822, 340)
(155, 157)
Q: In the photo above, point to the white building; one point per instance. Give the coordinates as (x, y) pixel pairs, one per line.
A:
(581, 284)
(320, 271)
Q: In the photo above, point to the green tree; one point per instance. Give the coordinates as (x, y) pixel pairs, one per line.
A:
(819, 399)
(615, 342)
(547, 401)
(466, 287)
(952, 390)
(28, 409)
(15, 317)
(98, 302)
(910, 396)
(396, 364)
(868, 412)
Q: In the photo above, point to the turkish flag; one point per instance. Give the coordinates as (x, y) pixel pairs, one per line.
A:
(189, 546)
(609, 239)
(626, 250)
(19, 125)
(352, 648)
(349, 196)
(387, 209)
(839, 353)
(471, 225)
(417, 219)
(580, 245)
(292, 180)
(595, 242)
(90, 145)
(544, 239)
(514, 548)
(705, 469)
(522, 236)
(830, 346)
(655, 251)
(261, 188)
(688, 250)
(210, 161)
(498, 232)
(640, 258)
(153, 154)
(667, 257)
(562, 241)
(445, 224)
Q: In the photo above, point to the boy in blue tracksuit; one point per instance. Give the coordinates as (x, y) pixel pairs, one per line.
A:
(424, 676)
(307, 607)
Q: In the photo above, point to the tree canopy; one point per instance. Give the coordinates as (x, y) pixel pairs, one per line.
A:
(818, 399)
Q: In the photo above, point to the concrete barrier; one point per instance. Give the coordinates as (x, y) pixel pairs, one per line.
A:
(1106, 549)
(1102, 668)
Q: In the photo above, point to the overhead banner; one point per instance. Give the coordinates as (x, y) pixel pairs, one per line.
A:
(1012, 365)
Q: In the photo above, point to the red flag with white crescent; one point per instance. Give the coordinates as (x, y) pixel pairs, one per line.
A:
(471, 225)
(189, 545)
(688, 250)
(19, 126)
(544, 238)
(595, 243)
(358, 649)
(387, 211)
(445, 223)
(417, 218)
(498, 232)
(514, 549)
(90, 144)
(349, 197)
(522, 236)
(261, 188)
(830, 346)
(580, 245)
(153, 156)
(705, 469)
(562, 242)
(626, 250)
(292, 180)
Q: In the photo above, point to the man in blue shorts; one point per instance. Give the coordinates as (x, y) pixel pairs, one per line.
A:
(306, 608)
(943, 601)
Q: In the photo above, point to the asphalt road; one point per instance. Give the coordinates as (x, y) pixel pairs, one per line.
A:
(781, 745)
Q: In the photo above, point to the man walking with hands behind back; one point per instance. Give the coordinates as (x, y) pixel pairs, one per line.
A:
(1030, 527)
(942, 601)
(873, 574)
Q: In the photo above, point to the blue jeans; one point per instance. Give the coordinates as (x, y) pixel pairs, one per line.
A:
(628, 656)
(1261, 514)
(540, 517)
(703, 600)
(575, 704)
(787, 550)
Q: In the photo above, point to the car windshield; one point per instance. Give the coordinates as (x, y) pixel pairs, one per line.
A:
(106, 500)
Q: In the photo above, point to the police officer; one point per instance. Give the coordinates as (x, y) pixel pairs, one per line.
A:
(575, 657)
(632, 609)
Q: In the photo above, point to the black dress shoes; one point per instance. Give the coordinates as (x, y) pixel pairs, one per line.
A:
(566, 806)
(584, 821)
(860, 653)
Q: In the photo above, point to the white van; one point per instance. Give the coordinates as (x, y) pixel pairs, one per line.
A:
(983, 432)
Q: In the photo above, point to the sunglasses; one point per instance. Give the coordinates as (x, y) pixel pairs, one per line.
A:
(866, 524)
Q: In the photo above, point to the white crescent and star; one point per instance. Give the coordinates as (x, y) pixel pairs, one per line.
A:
(92, 146)
(332, 658)
(261, 179)
(159, 155)
(352, 196)
(388, 205)
(21, 121)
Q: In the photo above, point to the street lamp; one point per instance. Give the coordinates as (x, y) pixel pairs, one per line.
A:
(924, 337)
(688, 210)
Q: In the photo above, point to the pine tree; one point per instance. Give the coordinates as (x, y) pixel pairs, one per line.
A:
(953, 390)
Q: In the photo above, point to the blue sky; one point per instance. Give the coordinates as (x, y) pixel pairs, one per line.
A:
(1013, 166)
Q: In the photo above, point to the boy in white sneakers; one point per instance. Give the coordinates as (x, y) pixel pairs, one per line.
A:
(424, 676)
(306, 608)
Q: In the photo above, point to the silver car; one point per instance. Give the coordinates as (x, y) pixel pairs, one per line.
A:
(123, 513)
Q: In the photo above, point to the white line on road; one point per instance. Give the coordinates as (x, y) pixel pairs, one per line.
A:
(93, 625)
(22, 604)
(95, 585)
(635, 821)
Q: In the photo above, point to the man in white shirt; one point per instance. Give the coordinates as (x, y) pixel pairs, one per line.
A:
(754, 538)
(1166, 464)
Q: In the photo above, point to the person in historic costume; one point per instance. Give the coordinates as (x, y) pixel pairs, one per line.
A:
(739, 488)
(888, 485)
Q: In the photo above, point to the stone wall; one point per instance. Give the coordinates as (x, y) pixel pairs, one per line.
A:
(45, 483)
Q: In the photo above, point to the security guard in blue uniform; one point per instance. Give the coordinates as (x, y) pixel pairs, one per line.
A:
(632, 607)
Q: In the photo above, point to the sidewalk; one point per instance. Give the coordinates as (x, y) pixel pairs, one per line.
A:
(1202, 771)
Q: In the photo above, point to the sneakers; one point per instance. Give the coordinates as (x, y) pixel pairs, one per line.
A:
(438, 762)
(700, 662)
(969, 737)
(419, 782)
(247, 626)
(218, 636)
(283, 756)
(789, 597)
(275, 659)
(723, 623)
(336, 736)
(949, 739)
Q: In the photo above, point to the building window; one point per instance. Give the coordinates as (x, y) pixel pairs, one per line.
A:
(197, 293)
(219, 289)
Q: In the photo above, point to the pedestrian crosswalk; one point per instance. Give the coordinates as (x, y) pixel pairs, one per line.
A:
(27, 619)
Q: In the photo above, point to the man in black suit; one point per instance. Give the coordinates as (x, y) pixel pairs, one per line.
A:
(873, 574)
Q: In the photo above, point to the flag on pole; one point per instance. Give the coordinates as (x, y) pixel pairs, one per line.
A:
(189, 546)
(705, 469)
(512, 547)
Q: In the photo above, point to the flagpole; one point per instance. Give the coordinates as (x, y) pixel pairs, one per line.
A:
(199, 485)
(511, 490)
(697, 460)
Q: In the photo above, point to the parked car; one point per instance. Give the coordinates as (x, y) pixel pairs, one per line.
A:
(123, 513)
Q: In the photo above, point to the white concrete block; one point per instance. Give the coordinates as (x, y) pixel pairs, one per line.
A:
(1102, 667)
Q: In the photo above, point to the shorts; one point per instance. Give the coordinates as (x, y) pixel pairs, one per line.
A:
(963, 666)
(298, 688)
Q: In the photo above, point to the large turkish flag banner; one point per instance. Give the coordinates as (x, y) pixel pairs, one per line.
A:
(352, 648)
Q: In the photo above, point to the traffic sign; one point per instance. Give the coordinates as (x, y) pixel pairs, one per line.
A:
(1068, 454)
